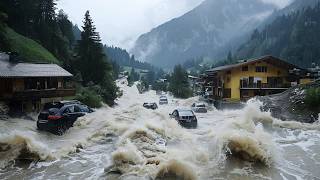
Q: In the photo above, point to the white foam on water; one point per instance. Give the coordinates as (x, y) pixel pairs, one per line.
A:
(149, 144)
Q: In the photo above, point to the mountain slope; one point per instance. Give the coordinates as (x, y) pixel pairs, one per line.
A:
(294, 6)
(294, 37)
(27, 48)
(204, 31)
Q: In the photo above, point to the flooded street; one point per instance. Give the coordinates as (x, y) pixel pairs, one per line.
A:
(131, 142)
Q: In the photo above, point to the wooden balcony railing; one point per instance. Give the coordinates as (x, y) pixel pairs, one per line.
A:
(264, 86)
(37, 94)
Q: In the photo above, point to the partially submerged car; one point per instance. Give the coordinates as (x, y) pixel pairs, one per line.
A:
(60, 116)
(199, 108)
(185, 117)
(152, 106)
(163, 100)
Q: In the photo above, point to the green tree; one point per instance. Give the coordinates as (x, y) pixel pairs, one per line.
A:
(91, 59)
(229, 58)
(133, 76)
(178, 84)
(93, 64)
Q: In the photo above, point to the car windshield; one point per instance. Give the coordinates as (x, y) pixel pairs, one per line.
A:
(201, 105)
(185, 113)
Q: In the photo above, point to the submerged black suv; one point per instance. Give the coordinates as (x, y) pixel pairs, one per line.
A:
(58, 117)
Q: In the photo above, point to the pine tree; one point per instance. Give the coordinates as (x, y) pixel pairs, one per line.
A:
(229, 58)
(179, 85)
(93, 64)
(91, 61)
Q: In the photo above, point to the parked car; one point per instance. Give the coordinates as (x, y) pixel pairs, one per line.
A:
(150, 105)
(163, 100)
(199, 108)
(59, 117)
(185, 117)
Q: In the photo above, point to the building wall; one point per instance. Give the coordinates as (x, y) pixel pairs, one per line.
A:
(18, 85)
(237, 74)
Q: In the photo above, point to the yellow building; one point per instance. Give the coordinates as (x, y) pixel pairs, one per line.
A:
(257, 77)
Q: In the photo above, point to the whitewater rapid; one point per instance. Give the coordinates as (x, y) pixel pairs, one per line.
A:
(130, 142)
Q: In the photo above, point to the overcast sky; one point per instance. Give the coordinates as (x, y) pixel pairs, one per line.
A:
(120, 22)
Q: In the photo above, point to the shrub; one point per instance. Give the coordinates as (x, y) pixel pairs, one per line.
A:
(89, 97)
(313, 97)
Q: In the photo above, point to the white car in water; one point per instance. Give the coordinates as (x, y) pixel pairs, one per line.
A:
(163, 100)
(185, 117)
(199, 108)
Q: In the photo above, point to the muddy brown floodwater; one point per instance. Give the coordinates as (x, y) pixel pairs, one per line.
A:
(130, 142)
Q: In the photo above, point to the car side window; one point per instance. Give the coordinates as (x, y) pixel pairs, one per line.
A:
(77, 109)
(69, 109)
(175, 113)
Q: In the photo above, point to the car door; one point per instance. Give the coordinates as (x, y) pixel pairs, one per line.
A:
(175, 115)
(79, 111)
(71, 115)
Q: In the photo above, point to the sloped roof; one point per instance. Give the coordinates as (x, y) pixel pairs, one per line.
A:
(270, 59)
(8, 69)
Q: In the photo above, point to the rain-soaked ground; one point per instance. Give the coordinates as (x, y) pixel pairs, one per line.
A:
(130, 142)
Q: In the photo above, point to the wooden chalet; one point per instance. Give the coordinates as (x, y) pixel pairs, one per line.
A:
(26, 86)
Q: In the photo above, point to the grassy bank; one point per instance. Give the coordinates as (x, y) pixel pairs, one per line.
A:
(28, 48)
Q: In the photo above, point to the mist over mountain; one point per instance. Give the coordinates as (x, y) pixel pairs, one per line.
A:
(209, 30)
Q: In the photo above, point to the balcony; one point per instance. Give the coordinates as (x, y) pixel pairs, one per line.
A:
(265, 86)
(38, 94)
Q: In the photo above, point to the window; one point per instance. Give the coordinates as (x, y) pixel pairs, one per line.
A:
(175, 113)
(77, 109)
(261, 69)
(245, 68)
(69, 109)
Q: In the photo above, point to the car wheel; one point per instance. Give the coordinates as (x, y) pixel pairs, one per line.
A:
(61, 130)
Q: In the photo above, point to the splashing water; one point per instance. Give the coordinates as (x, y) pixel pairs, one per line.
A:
(130, 142)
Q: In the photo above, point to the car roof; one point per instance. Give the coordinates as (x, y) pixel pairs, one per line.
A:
(71, 102)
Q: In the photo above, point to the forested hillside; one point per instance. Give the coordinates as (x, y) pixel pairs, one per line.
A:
(123, 58)
(293, 37)
(38, 20)
(209, 30)
(34, 30)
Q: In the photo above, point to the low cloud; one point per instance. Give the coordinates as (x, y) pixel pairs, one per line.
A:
(120, 22)
(279, 3)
